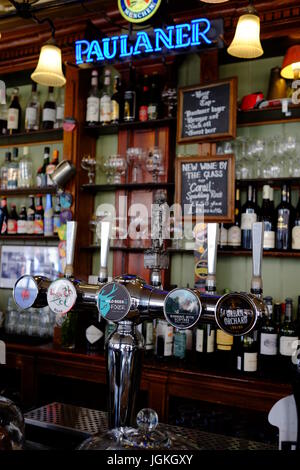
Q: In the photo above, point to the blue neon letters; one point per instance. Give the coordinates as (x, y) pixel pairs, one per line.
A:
(173, 37)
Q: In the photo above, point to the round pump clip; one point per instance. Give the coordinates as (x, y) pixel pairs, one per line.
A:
(25, 292)
(114, 302)
(61, 296)
(236, 313)
(182, 308)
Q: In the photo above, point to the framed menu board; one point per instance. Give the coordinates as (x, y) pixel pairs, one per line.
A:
(205, 185)
(207, 112)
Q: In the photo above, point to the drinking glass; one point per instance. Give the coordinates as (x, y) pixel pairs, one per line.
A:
(243, 157)
(291, 155)
(135, 158)
(154, 163)
(115, 167)
(258, 155)
(89, 164)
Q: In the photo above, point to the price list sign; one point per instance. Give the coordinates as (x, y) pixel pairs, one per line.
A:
(206, 186)
(207, 112)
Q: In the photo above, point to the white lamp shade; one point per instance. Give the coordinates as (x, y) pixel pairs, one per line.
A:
(49, 68)
(246, 42)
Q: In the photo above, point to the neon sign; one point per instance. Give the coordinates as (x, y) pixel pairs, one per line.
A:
(198, 32)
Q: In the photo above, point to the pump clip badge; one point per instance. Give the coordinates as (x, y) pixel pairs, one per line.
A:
(114, 302)
(138, 11)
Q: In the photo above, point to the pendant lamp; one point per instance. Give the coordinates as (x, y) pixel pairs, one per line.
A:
(291, 63)
(246, 42)
(48, 71)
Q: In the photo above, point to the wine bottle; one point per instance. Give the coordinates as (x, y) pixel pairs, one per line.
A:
(48, 217)
(224, 350)
(25, 173)
(234, 231)
(247, 353)
(31, 216)
(12, 221)
(41, 177)
(268, 341)
(284, 220)
(223, 236)
(14, 114)
(296, 228)
(3, 118)
(249, 216)
(144, 100)
(164, 340)
(267, 217)
(4, 170)
(49, 110)
(4, 215)
(288, 338)
(60, 109)
(116, 102)
(32, 112)
(105, 100)
(130, 98)
(154, 98)
(179, 347)
(95, 334)
(13, 170)
(22, 221)
(39, 217)
(205, 344)
(93, 101)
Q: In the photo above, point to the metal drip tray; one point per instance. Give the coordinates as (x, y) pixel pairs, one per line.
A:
(59, 416)
(85, 422)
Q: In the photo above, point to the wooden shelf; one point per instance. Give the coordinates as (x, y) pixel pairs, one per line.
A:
(98, 129)
(96, 188)
(29, 237)
(33, 137)
(19, 192)
(274, 182)
(260, 117)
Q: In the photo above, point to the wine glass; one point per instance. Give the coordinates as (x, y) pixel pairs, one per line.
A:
(154, 163)
(89, 164)
(115, 167)
(135, 158)
(243, 154)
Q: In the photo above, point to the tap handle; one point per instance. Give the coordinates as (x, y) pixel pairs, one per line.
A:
(257, 252)
(104, 251)
(212, 246)
(31, 291)
(71, 241)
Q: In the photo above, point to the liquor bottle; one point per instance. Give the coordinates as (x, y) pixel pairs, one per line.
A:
(3, 118)
(105, 100)
(48, 217)
(60, 109)
(224, 350)
(32, 112)
(4, 215)
(25, 173)
(116, 102)
(130, 98)
(31, 216)
(205, 334)
(13, 170)
(39, 216)
(41, 180)
(284, 220)
(268, 341)
(144, 100)
(288, 338)
(154, 98)
(247, 353)
(22, 221)
(93, 101)
(179, 346)
(56, 216)
(277, 316)
(249, 216)
(296, 228)
(95, 334)
(12, 222)
(267, 217)
(50, 168)
(4, 170)
(164, 340)
(49, 110)
(147, 331)
(14, 114)
(234, 231)
(223, 236)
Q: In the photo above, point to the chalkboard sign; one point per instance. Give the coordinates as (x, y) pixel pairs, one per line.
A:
(205, 185)
(207, 112)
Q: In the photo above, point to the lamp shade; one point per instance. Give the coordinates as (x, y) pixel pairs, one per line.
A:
(291, 62)
(246, 42)
(49, 68)
(214, 1)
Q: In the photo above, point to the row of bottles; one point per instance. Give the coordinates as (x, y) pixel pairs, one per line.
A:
(134, 102)
(281, 224)
(17, 172)
(33, 220)
(48, 116)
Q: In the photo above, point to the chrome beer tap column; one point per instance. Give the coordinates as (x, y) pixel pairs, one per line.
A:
(239, 313)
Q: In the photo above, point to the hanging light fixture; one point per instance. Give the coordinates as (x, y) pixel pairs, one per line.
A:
(246, 42)
(214, 1)
(291, 63)
(48, 71)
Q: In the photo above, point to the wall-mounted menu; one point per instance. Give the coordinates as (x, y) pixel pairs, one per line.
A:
(205, 185)
(207, 112)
